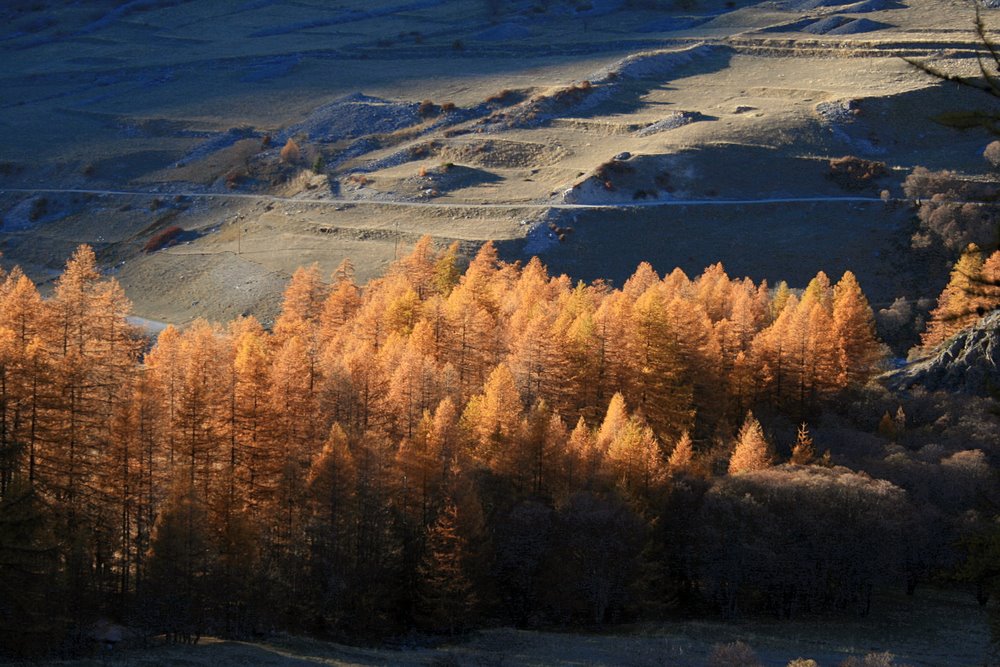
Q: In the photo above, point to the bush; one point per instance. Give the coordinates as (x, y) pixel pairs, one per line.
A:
(803, 662)
(872, 660)
(955, 225)
(854, 172)
(290, 153)
(162, 239)
(427, 109)
(992, 154)
(923, 183)
(234, 178)
(737, 654)
(503, 97)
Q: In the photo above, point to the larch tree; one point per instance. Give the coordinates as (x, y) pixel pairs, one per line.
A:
(446, 272)
(419, 267)
(854, 329)
(414, 384)
(447, 595)
(635, 460)
(200, 408)
(752, 450)
(581, 462)
(293, 441)
(681, 459)
(803, 452)
(615, 418)
(332, 502)
(958, 305)
(493, 417)
(656, 370)
(342, 302)
(301, 316)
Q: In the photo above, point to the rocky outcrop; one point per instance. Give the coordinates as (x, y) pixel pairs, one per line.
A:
(968, 362)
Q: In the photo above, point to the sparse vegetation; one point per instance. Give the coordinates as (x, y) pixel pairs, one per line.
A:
(428, 109)
(162, 239)
(992, 154)
(736, 654)
(360, 179)
(504, 97)
(852, 172)
(234, 177)
(950, 212)
(290, 152)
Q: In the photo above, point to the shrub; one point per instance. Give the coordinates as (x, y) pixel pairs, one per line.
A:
(448, 107)
(318, 165)
(803, 662)
(162, 239)
(611, 168)
(923, 183)
(854, 172)
(505, 96)
(233, 178)
(872, 660)
(427, 109)
(736, 654)
(992, 154)
(955, 225)
(290, 153)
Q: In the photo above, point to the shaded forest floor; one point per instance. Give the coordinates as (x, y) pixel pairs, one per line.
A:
(932, 628)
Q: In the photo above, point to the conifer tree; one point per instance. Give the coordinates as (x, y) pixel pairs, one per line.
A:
(493, 417)
(180, 562)
(341, 304)
(446, 273)
(447, 595)
(419, 268)
(752, 451)
(682, 457)
(656, 384)
(854, 329)
(582, 460)
(332, 485)
(958, 305)
(30, 585)
(615, 419)
(635, 460)
(803, 452)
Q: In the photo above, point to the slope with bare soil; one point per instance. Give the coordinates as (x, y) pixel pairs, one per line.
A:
(466, 103)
